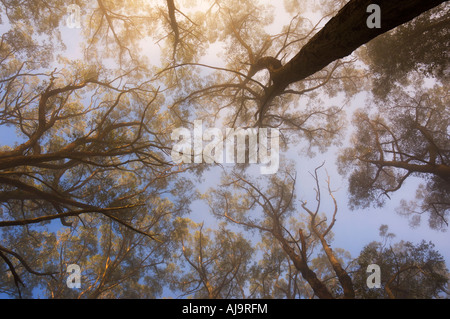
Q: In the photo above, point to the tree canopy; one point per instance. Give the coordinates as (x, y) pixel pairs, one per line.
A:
(87, 175)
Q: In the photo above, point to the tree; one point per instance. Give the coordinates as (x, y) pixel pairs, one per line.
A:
(92, 151)
(89, 142)
(331, 43)
(423, 40)
(250, 89)
(115, 262)
(215, 263)
(304, 265)
(274, 276)
(407, 270)
(277, 205)
(407, 137)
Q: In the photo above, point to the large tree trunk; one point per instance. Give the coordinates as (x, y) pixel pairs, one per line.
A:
(342, 35)
(301, 264)
(347, 31)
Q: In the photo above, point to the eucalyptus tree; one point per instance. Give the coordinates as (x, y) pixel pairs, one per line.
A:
(405, 137)
(408, 270)
(91, 143)
(272, 211)
(210, 263)
(92, 134)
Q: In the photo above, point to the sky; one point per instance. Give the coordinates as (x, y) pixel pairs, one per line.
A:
(353, 229)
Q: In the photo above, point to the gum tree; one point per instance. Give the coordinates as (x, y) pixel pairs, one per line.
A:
(298, 260)
(211, 263)
(408, 271)
(407, 137)
(403, 131)
(272, 211)
(91, 147)
(93, 134)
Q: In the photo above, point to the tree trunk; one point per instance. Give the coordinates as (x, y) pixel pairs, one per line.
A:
(347, 31)
(342, 35)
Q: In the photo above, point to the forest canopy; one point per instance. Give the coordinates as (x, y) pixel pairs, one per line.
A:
(90, 97)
